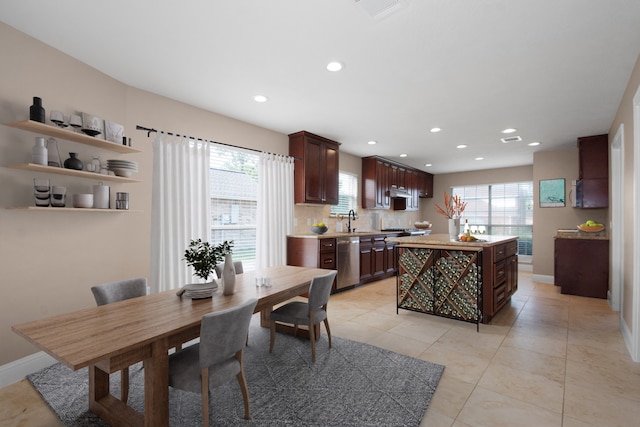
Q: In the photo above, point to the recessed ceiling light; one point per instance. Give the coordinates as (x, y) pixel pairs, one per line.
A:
(260, 98)
(427, 164)
(479, 158)
(533, 144)
(372, 142)
(403, 155)
(434, 130)
(509, 130)
(461, 146)
(334, 66)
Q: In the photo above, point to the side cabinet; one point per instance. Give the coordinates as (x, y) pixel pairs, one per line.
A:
(312, 252)
(592, 188)
(500, 264)
(581, 267)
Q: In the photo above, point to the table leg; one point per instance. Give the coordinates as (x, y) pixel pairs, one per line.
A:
(156, 386)
(98, 385)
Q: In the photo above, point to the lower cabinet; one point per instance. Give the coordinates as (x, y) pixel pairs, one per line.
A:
(581, 267)
(501, 277)
(377, 258)
(312, 252)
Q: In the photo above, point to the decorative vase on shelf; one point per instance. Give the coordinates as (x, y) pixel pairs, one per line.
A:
(39, 154)
(454, 228)
(36, 111)
(53, 153)
(228, 276)
(73, 162)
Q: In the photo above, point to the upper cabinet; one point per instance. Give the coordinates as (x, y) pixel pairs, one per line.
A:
(592, 187)
(386, 184)
(316, 168)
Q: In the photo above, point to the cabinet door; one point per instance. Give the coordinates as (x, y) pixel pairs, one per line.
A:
(331, 171)
(390, 258)
(512, 274)
(411, 180)
(383, 175)
(314, 155)
(582, 267)
(593, 157)
(366, 259)
(379, 266)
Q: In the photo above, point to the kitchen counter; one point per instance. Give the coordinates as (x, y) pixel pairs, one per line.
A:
(469, 281)
(577, 234)
(334, 234)
(485, 240)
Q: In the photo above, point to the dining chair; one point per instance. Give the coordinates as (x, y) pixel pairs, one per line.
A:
(310, 313)
(217, 358)
(108, 293)
(237, 265)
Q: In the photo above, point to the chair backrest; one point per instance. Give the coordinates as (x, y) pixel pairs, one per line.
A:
(224, 333)
(237, 265)
(120, 290)
(320, 289)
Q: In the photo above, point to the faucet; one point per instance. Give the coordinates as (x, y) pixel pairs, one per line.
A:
(349, 215)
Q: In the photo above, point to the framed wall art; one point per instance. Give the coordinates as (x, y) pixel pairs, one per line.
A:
(552, 193)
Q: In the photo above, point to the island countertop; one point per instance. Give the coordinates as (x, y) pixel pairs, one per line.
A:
(484, 240)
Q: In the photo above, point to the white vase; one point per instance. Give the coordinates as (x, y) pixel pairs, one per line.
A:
(39, 152)
(454, 228)
(228, 276)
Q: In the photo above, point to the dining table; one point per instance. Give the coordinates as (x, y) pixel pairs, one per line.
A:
(108, 338)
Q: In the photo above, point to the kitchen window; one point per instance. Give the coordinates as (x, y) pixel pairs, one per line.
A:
(347, 194)
(234, 190)
(502, 209)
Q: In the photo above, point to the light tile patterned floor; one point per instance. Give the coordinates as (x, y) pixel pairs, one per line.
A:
(546, 360)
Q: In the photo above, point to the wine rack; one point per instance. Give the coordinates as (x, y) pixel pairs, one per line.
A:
(442, 282)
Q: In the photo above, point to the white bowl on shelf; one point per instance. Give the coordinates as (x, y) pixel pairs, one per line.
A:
(81, 200)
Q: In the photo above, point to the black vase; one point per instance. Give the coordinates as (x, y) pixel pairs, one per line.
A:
(73, 162)
(36, 111)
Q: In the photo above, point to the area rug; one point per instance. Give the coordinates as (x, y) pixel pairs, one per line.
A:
(352, 385)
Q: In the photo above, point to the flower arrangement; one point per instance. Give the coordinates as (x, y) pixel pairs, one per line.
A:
(203, 256)
(453, 206)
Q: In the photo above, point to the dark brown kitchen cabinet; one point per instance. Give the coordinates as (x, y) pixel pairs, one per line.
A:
(376, 175)
(312, 252)
(592, 187)
(425, 184)
(316, 168)
(377, 260)
(581, 266)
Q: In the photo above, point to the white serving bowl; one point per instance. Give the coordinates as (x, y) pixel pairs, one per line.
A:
(83, 200)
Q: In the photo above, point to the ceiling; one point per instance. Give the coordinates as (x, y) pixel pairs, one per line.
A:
(554, 70)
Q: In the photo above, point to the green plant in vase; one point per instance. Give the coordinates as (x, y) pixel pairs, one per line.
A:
(203, 256)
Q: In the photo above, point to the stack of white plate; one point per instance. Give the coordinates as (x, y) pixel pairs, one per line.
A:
(124, 168)
(198, 291)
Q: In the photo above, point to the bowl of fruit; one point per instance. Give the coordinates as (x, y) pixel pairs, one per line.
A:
(591, 226)
(319, 228)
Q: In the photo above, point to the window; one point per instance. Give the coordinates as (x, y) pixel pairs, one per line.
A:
(347, 194)
(503, 209)
(234, 189)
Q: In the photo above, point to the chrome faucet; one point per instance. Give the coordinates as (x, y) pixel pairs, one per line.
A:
(349, 215)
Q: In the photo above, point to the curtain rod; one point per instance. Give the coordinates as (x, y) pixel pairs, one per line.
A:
(149, 130)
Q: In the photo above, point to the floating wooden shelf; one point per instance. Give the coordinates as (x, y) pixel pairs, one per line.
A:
(51, 208)
(69, 135)
(70, 172)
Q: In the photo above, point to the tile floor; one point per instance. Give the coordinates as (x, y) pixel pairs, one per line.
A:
(547, 359)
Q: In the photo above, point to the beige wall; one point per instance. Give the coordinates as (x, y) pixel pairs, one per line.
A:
(49, 260)
(625, 116)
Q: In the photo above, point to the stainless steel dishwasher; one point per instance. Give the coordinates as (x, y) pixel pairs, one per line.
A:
(348, 262)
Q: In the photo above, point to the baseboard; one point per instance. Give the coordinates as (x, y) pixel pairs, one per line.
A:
(525, 267)
(542, 278)
(18, 369)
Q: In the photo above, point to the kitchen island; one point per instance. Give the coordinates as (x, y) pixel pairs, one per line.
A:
(468, 281)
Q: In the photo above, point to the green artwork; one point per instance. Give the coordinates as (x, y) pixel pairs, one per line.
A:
(552, 193)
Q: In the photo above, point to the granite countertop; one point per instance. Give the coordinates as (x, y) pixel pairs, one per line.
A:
(577, 234)
(485, 240)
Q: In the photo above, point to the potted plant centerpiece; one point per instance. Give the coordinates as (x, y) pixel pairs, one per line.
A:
(453, 208)
(203, 257)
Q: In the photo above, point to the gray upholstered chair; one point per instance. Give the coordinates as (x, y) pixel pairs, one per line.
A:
(217, 358)
(310, 313)
(108, 293)
(237, 265)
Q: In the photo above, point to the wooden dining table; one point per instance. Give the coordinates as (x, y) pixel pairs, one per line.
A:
(110, 337)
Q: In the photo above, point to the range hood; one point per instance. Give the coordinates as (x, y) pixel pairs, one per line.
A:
(399, 193)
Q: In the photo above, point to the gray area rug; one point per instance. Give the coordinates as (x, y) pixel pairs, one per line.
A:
(351, 384)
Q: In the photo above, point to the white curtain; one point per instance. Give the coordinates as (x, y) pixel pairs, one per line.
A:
(180, 207)
(274, 210)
